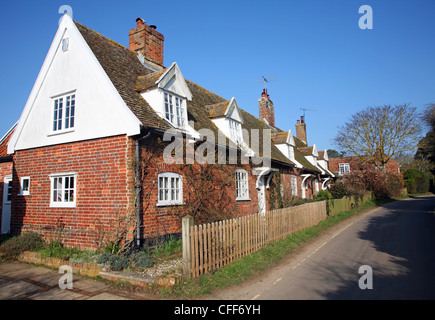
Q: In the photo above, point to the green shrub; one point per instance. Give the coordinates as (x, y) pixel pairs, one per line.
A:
(338, 191)
(323, 195)
(55, 249)
(417, 181)
(166, 248)
(116, 263)
(141, 260)
(14, 246)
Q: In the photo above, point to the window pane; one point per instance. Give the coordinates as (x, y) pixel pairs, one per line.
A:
(56, 107)
(25, 184)
(59, 115)
(72, 111)
(9, 192)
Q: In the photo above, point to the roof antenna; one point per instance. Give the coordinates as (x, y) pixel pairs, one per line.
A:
(304, 109)
(266, 80)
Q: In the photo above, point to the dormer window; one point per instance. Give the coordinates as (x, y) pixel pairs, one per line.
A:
(174, 110)
(235, 131)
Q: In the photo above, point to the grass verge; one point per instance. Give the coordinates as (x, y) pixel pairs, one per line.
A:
(241, 270)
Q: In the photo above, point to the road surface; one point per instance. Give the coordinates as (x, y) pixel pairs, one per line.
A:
(396, 242)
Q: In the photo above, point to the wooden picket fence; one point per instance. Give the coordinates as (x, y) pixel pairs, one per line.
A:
(211, 246)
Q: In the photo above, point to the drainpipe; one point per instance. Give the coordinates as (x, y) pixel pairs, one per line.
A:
(138, 187)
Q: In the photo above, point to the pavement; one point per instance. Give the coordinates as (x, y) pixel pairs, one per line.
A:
(22, 281)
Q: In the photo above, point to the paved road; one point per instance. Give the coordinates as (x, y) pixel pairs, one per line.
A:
(397, 241)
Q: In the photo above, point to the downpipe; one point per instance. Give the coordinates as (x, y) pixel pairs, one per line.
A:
(138, 188)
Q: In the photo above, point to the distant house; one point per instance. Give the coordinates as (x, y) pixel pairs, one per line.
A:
(88, 150)
(344, 165)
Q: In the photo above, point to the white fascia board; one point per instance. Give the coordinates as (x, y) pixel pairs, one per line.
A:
(131, 122)
(233, 111)
(315, 153)
(167, 76)
(290, 139)
(7, 133)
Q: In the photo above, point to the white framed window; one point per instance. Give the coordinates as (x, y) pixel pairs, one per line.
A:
(294, 185)
(343, 167)
(170, 189)
(7, 192)
(24, 186)
(64, 113)
(175, 110)
(235, 131)
(63, 190)
(242, 186)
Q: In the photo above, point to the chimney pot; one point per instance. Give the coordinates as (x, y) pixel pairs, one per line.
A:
(140, 22)
(153, 27)
(145, 40)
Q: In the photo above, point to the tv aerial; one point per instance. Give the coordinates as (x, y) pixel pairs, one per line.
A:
(305, 109)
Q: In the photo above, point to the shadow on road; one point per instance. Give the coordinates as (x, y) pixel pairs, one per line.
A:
(400, 240)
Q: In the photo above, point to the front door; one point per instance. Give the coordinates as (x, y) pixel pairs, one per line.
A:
(261, 196)
(6, 208)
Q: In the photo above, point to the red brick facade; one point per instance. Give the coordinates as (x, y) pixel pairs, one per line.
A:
(356, 164)
(146, 40)
(5, 170)
(104, 189)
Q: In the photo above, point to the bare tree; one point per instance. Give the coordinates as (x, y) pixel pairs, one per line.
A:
(376, 134)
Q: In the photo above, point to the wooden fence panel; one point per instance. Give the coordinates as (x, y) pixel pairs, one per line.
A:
(217, 244)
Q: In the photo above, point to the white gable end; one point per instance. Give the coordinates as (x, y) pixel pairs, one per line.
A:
(72, 70)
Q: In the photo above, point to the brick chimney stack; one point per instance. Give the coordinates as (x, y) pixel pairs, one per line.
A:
(301, 130)
(147, 41)
(266, 108)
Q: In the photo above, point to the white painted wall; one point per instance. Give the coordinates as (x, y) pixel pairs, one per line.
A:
(99, 111)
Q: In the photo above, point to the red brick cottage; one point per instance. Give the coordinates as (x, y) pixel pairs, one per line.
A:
(89, 161)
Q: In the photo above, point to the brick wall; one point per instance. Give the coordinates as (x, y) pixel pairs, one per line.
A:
(104, 190)
(5, 170)
(148, 41)
(160, 220)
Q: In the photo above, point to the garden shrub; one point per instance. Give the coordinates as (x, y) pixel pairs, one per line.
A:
(338, 191)
(14, 246)
(116, 263)
(417, 181)
(323, 195)
(384, 185)
(141, 260)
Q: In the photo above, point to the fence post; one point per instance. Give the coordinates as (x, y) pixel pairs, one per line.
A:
(187, 222)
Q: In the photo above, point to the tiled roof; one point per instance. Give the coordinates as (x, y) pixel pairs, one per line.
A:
(130, 77)
(279, 137)
(217, 110)
(4, 143)
(306, 151)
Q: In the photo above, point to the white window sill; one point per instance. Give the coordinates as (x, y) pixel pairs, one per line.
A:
(23, 194)
(56, 133)
(62, 205)
(243, 199)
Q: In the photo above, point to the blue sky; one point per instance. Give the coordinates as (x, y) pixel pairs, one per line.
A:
(314, 49)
